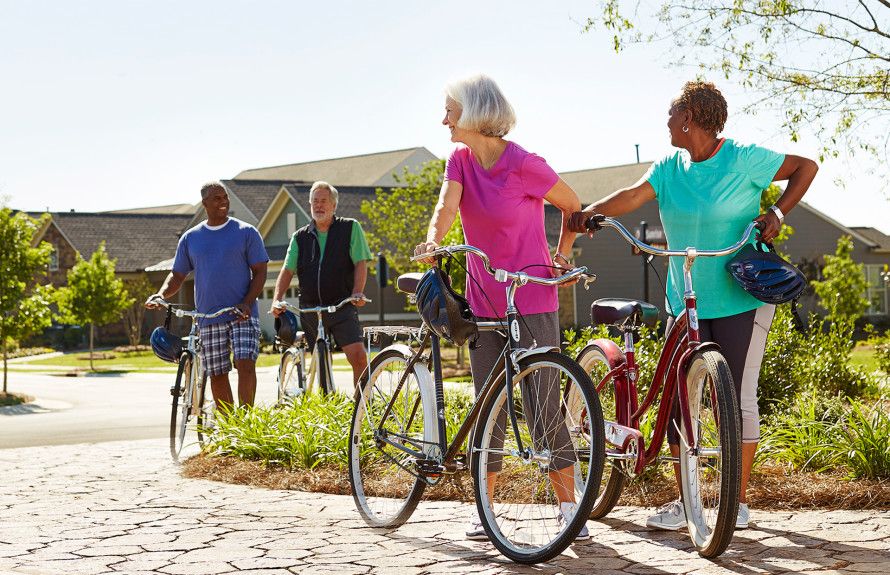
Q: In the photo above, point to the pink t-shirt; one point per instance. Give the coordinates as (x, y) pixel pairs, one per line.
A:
(502, 212)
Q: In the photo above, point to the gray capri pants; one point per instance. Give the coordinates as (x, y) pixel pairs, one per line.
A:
(742, 341)
(550, 429)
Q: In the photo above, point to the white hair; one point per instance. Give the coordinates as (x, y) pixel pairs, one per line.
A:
(484, 108)
(325, 186)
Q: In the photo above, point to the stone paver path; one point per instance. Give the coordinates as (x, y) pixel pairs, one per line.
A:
(122, 507)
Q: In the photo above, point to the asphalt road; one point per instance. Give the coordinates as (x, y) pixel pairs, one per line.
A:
(94, 409)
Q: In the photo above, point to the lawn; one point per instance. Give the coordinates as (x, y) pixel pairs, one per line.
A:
(120, 362)
(864, 356)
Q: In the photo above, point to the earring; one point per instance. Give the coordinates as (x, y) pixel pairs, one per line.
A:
(685, 129)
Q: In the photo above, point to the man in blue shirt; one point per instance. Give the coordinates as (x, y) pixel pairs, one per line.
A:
(229, 262)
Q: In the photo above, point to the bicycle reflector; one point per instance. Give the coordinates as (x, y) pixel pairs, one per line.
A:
(286, 327)
(166, 345)
(765, 275)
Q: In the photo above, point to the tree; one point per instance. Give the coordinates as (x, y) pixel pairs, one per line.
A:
(138, 288)
(93, 294)
(24, 303)
(842, 291)
(824, 65)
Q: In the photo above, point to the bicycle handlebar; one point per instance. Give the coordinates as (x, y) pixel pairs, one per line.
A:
(500, 275)
(328, 308)
(597, 221)
(178, 312)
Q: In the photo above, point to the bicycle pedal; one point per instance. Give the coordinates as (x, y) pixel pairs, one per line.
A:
(429, 468)
(172, 390)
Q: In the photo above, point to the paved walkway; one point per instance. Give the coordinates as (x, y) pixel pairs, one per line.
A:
(122, 507)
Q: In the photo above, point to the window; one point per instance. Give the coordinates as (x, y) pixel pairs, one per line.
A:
(54, 260)
(291, 224)
(878, 291)
(269, 293)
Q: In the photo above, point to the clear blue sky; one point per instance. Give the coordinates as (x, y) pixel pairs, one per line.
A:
(116, 104)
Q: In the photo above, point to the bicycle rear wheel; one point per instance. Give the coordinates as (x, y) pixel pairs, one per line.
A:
(711, 472)
(594, 361)
(386, 484)
(291, 382)
(182, 400)
(518, 493)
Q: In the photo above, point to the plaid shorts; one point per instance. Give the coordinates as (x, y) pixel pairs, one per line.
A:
(219, 340)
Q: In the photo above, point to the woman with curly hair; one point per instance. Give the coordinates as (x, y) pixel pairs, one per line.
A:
(707, 193)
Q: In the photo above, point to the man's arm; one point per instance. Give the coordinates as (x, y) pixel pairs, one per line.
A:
(168, 289)
(254, 290)
(359, 277)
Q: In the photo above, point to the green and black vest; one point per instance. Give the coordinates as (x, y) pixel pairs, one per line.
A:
(327, 280)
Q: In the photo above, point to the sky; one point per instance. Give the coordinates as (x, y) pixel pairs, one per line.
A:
(112, 104)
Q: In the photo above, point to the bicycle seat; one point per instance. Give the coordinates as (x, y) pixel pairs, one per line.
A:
(623, 312)
(408, 282)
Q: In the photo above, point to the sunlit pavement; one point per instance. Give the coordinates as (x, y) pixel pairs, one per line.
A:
(122, 507)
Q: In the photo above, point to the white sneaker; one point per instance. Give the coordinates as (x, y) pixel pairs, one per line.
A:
(744, 516)
(567, 511)
(671, 517)
(476, 532)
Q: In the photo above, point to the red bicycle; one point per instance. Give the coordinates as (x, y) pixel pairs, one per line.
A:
(689, 370)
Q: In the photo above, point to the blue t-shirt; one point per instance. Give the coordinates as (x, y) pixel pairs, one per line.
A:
(707, 205)
(221, 259)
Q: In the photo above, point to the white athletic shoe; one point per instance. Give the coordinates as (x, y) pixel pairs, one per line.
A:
(671, 517)
(476, 532)
(744, 516)
(567, 511)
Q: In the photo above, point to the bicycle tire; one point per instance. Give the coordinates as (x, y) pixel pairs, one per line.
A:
(325, 373)
(291, 381)
(714, 471)
(386, 487)
(181, 409)
(206, 411)
(594, 361)
(520, 511)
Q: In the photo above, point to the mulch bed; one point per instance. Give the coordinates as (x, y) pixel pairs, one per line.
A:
(771, 488)
(14, 398)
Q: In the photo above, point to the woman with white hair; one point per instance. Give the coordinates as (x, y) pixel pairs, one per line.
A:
(499, 189)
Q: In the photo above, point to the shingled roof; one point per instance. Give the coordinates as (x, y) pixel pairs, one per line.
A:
(595, 184)
(363, 170)
(136, 241)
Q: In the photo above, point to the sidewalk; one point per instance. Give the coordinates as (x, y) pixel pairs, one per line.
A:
(122, 507)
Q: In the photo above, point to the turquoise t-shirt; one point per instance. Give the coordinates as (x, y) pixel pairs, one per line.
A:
(358, 247)
(707, 205)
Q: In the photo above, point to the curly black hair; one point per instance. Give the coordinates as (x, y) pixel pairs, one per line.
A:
(706, 104)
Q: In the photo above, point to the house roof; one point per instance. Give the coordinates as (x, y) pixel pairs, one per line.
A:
(362, 170)
(595, 184)
(349, 199)
(136, 241)
(880, 239)
(170, 209)
(256, 195)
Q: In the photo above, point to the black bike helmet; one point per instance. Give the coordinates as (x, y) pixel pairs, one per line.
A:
(286, 327)
(443, 310)
(765, 275)
(166, 345)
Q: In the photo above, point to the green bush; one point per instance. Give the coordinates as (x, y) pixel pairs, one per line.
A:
(867, 441)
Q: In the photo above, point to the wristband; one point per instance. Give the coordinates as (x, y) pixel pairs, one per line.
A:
(559, 255)
(778, 213)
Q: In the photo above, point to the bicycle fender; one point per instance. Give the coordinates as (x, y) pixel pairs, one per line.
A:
(613, 353)
(524, 353)
(401, 348)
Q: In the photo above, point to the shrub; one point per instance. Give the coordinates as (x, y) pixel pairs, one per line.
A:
(803, 435)
(866, 448)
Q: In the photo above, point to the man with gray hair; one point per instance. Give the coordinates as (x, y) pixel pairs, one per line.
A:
(229, 261)
(330, 258)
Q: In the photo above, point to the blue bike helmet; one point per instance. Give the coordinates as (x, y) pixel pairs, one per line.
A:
(166, 345)
(765, 275)
(286, 327)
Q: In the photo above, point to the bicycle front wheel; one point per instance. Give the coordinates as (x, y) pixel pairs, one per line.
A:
(593, 360)
(182, 405)
(710, 471)
(524, 496)
(387, 438)
(291, 382)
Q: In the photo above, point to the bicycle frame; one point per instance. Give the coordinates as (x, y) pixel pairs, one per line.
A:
(508, 363)
(670, 373)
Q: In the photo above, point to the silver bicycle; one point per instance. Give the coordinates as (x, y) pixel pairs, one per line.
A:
(292, 379)
(189, 411)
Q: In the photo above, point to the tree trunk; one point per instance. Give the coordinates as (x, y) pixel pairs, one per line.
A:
(4, 365)
(91, 349)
